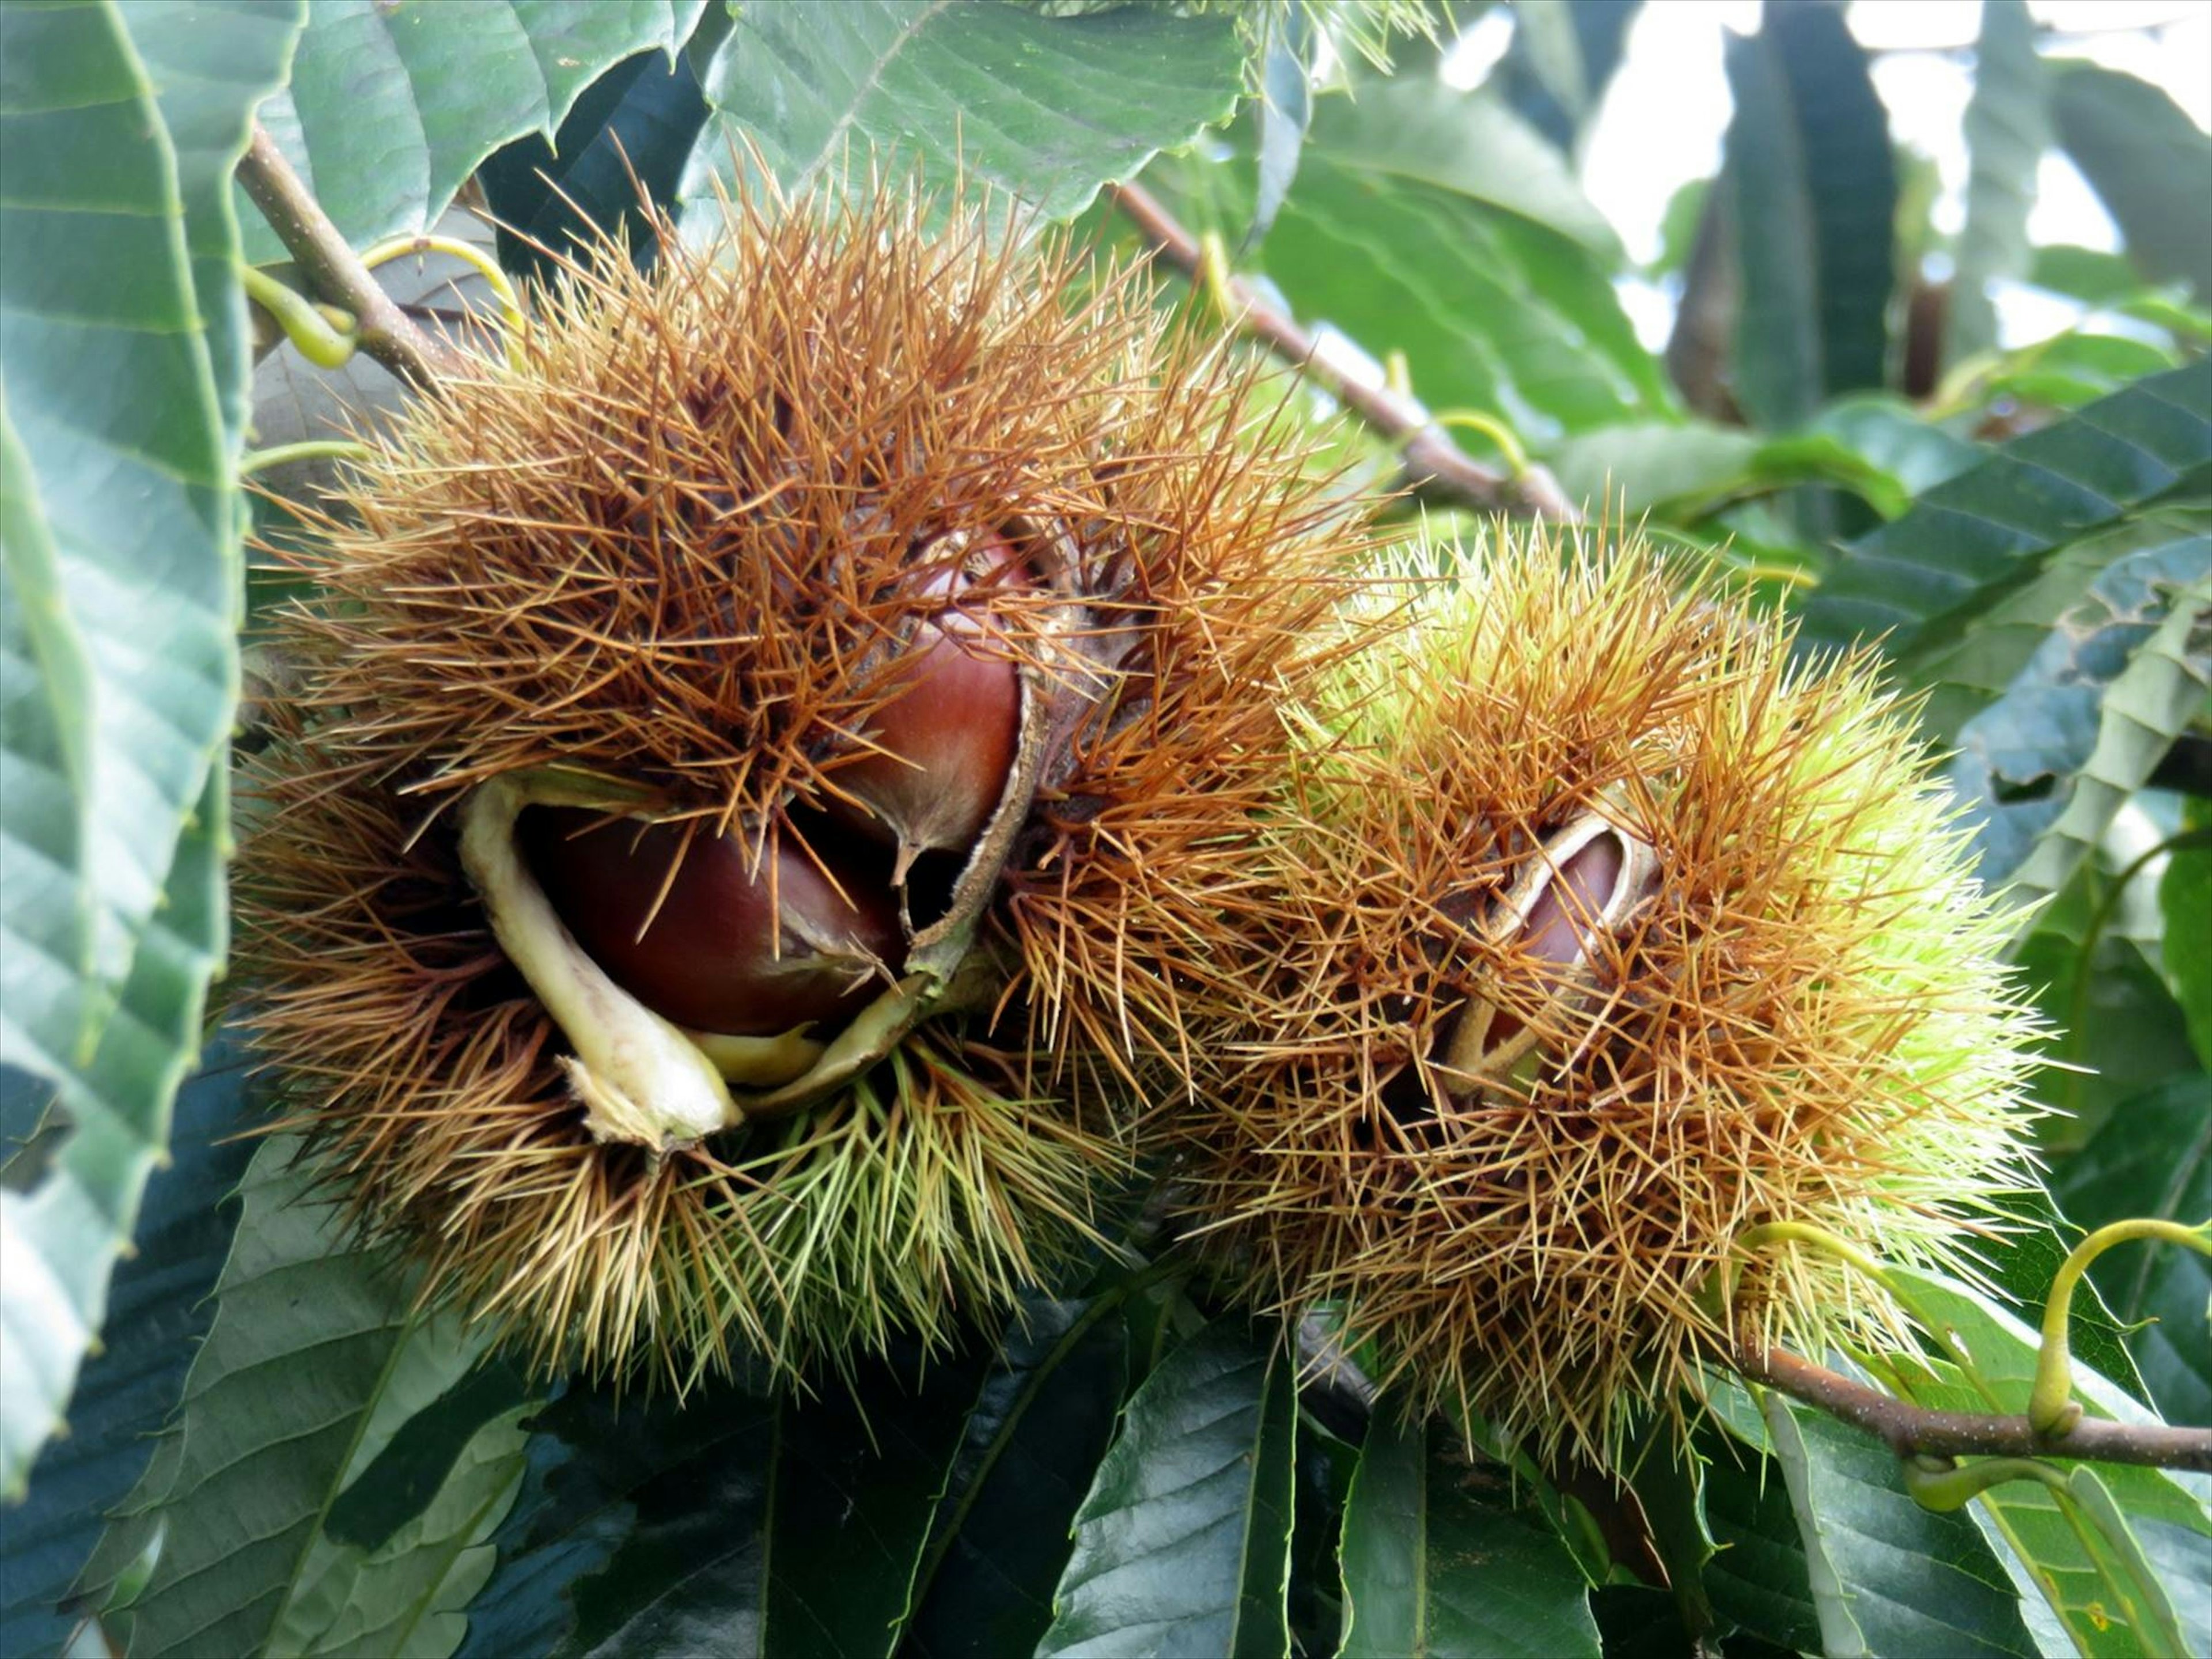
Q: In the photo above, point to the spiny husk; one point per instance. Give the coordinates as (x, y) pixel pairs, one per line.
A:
(424, 1072)
(1805, 1020)
(668, 549)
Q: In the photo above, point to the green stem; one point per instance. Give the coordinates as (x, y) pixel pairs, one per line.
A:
(1936, 1484)
(1508, 441)
(307, 449)
(513, 321)
(2050, 1406)
(304, 324)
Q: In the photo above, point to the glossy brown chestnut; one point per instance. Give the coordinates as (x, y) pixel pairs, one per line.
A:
(943, 744)
(746, 952)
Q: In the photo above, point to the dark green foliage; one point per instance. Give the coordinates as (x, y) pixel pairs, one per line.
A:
(271, 1449)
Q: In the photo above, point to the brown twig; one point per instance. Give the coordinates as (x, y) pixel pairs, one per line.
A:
(1435, 465)
(1910, 1429)
(333, 271)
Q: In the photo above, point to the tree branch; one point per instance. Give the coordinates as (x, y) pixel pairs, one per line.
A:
(1435, 466)
(1909, 1430)
(333, 270)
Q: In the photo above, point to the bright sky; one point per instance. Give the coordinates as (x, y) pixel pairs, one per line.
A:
(1666, 109)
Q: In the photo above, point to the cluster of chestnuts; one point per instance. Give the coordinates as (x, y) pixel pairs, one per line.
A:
(850, 739)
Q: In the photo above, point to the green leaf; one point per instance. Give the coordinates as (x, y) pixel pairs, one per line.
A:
(62, 1238)
(2071, 369)
(2153, 1157)
(2042, 769)
(1887, 1577)
(1040, 1423)
(1969, 540)
(2148, 160)
(638, 1522)
(634, 126)
(2118, 1034)
(392, 103)
(656, 1526)
(1045, 108)
(2007, 130)
(2089, 1574)
(157, 1313)
(1423, 132)
(1562, 56)
(2185, 898)
(1435, 1568)
(1874, 447)
(1812, 193)
(1495, 311)
(1183, 1545)
(409, 1593)
(1759, 1580)
(118, 567)
(864, 1466)
(2090, 275)
(311, 1368)
(1969, 671)
(2022, 1261)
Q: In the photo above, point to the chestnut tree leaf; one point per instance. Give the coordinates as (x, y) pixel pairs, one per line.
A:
(1887, 1575)
(2091, 1571)
(1758, 1579)
(1811, 191)
(1042, 1421)
(2008, 128)
(392, 103)
(1920, 581)
(1044, 108)
(2148, 160)
(157, 1312)
(2153, 1157)
(1432, 1566)
(647, 1525)
(313, 1366)
(122, 368)
(1183, 1545)
(1495, 309)
(2113, 680)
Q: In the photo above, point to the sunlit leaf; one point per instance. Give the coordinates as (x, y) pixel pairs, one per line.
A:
(1915, 582)
(2086, 719)
(1887, 1575)
(2148, 160)
(1046, 108)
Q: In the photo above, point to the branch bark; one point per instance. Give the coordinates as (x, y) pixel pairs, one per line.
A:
(1435, 466)
(1909, 1430)
(387, 334)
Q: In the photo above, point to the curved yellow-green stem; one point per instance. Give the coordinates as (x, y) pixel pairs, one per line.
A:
(1508, 441)
(307, 449)
(513, 322)
(1944, 1489)
(2051, 1407)
(308, 326)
